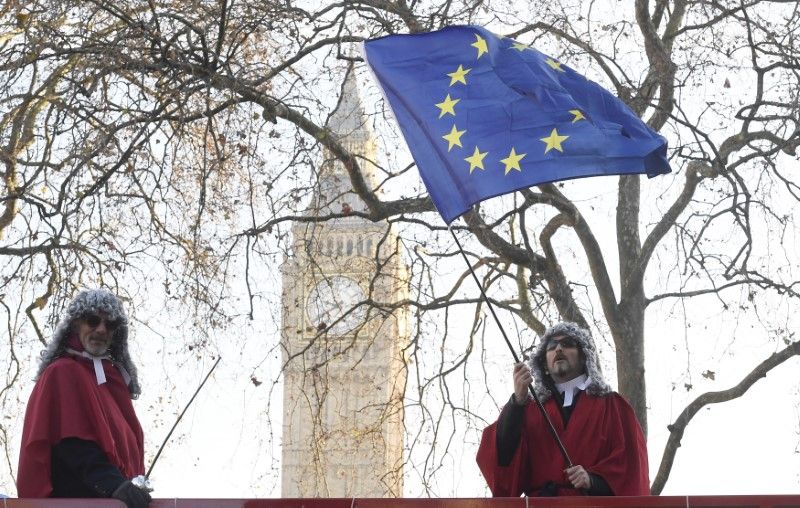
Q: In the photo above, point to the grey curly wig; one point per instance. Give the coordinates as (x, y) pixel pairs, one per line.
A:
(86, 302)
(543, 383)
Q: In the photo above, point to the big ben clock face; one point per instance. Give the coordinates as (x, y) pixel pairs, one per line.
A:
(330, 300)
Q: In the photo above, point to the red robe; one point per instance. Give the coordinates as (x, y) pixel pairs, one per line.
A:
(68, 402)
(603, 436)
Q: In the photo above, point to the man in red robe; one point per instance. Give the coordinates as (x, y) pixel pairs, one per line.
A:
(518, 454)
(81, 437)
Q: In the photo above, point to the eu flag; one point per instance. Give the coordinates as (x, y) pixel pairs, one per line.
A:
(485, 115)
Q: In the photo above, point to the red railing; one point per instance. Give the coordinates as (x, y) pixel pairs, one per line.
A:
(783, 501)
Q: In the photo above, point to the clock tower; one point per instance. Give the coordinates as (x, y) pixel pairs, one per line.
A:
(343, 335)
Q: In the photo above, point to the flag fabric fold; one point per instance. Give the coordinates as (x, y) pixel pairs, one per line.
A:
(484, 115)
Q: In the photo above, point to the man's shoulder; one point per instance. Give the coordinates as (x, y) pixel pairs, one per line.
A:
(61, 363)
(609, 395)
(617, 397)
(61, 367)
(620, 405)
(614, 398)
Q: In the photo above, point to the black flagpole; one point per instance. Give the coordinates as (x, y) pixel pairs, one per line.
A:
(152, 464)
(513, 353)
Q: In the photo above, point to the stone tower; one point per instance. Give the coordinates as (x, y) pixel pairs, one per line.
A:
(343, 336)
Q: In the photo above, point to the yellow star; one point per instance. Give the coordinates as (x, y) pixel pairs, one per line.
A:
(454, 138)
(480, 45)
(553, 141)
(578, 115)
(447, 106)
(519, 46)
(476, 160)
(555, 65)
(458, 76)
(512, 161)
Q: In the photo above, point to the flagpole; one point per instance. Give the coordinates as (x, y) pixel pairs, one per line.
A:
(180, 416)
(513, 353)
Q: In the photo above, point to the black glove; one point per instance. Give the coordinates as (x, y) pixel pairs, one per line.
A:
(131, 495)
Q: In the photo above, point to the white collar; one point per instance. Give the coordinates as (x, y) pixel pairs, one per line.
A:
(97, 361)
(571, 387)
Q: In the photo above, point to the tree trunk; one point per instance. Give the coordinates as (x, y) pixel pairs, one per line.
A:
(628, 327)
(629, 339)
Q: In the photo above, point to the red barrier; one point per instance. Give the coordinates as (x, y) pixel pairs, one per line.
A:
(786, 501)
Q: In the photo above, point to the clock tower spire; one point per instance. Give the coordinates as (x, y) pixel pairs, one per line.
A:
(343, 334)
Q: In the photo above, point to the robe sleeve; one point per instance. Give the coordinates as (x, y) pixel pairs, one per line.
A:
(506, 480)
(509, 431)
(85, 462)
(52, 397)
(625, 466)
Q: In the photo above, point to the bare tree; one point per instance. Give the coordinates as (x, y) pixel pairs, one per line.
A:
(189, 135)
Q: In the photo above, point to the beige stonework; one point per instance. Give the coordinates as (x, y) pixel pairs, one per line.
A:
(344, 331)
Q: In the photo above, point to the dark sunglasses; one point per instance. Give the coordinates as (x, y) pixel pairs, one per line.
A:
(565, 343)
(93, 320)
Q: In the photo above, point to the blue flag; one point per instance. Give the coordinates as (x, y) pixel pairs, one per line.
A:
(484, 115)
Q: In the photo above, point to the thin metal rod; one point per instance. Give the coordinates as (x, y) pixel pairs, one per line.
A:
(513, 353)
(155, 459)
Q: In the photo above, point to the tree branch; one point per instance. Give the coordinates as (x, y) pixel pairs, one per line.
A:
(677, 429)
